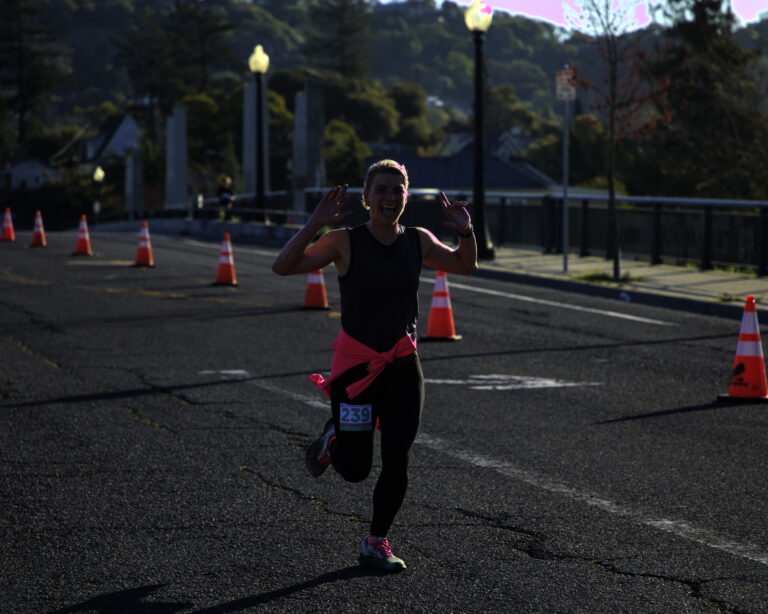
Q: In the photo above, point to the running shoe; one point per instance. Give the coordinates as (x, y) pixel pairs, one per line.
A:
(376, 553)
(318, 452)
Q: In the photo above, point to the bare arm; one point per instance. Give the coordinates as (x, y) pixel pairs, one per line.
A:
(297, 256)
(461, 260)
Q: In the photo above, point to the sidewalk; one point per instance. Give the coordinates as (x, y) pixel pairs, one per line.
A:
(713, 292)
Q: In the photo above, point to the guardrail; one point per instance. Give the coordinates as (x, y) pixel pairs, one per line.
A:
(704, 230)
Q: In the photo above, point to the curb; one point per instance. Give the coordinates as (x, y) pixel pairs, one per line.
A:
(642, 297)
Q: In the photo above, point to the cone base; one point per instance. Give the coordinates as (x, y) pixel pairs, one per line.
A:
(453, 338)
(727, 398)
(38, 245)
(313, 308)
(224, 283)
(82, 253)
(143, 266)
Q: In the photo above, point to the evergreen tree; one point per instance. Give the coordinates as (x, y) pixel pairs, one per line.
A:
(31, 64)
(198, 43)
(716, 141)
(338, 37)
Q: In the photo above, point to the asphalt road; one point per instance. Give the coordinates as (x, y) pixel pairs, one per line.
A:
(153, 426)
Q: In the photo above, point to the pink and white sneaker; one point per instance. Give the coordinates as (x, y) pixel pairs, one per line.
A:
(375, 552)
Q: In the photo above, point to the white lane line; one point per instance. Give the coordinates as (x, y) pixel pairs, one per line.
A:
(495, 381)
(541, 301)
(235, 248)
(678, 528)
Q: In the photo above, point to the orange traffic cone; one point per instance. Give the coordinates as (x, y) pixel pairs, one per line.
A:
(225, 273)
(8, 233)
(83, 244)
(38, 234)
(440, 324)
(144, 250)
(316, 296)
(748, 381)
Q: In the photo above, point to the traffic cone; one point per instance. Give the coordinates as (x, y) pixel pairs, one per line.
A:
(83, 244)
(225, 273)
(38, 234)
(748, 380)
(8, 233)
(316, 296)
(144, 250)
(440, 325)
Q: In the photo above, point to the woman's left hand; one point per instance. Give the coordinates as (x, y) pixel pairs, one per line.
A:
(456, 213)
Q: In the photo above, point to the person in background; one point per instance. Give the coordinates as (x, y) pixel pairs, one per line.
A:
(226, 196)
(375, 375)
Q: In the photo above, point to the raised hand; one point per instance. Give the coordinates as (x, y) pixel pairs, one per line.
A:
(330, 209)
(456, 213)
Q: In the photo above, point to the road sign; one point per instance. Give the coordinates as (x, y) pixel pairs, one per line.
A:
(564, 85)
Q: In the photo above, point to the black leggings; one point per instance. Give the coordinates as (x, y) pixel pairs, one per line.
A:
(396, 398)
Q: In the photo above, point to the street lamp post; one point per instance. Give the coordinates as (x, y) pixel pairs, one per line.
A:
(478, 19)
(259, 64)
(98, 179)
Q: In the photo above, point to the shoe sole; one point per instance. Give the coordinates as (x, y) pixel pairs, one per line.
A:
(379, 565)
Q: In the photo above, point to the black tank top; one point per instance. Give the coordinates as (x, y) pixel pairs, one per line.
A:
(379, 293)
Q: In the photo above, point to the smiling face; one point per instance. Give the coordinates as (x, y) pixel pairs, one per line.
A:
(386, 197)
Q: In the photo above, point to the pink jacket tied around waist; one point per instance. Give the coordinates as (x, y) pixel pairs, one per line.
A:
(349, 352)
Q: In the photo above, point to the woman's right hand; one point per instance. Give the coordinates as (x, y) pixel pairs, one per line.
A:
(330, 210)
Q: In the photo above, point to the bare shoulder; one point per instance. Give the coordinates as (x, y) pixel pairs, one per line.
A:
(426, 238)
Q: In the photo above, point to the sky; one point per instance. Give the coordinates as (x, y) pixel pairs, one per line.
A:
(552, 10)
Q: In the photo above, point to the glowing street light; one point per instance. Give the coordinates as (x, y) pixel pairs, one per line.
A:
(98, 178)
(478, 18)
(258, 64)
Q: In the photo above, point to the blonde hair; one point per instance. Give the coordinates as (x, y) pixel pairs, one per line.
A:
(383, 166)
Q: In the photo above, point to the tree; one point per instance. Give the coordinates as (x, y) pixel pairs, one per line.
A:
(146, 53)
(339, 32)
(623, 94)
(716, 141)
(345, 154)
(31, 62)
(411, 104)
(587, 146)
(198, 40)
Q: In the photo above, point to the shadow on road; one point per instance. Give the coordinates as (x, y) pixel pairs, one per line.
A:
(125, 601)
(667, 412)
(238, 605)
(558, 349)
(167, 389)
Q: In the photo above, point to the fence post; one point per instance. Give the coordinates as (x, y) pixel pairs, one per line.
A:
(706, 247)
(547, 223)
(584, 229)
(501, 234)
(656, 237)
(763, 257)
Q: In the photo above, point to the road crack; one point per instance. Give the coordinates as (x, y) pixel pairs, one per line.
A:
(534, 550)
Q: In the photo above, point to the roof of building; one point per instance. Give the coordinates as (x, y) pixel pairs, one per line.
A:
(456, 172)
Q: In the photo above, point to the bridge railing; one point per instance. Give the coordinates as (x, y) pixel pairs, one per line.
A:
(706, 231)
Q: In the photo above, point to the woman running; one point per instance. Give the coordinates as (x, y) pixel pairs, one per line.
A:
(375, 373)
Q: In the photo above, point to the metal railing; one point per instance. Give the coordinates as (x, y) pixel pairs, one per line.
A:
(703, 230)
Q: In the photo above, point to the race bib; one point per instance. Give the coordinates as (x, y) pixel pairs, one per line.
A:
(355, 417)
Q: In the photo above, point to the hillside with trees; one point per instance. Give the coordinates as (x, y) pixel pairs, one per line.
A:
(397, 77)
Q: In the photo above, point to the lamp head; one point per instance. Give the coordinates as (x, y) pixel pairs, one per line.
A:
(98, 174)
(259, 61)
(478, 16)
